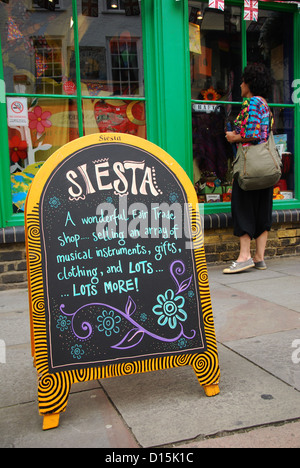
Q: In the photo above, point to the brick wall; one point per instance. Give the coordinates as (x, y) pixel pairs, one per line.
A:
(13, 266)
(222, 246)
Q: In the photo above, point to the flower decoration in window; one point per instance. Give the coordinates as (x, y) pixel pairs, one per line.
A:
(210, 94)
(17, 149)
(39, 120)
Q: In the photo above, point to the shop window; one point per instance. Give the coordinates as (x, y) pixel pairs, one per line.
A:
(111, 60)
(269, 42)
(218, 41)
(41, 75)
(34, 44)
(216, 66)
(34, 41)
(215, 52)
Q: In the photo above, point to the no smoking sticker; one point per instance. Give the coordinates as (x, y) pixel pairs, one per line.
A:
(17, 112)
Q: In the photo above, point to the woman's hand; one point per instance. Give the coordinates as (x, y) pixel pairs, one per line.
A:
(232, 137)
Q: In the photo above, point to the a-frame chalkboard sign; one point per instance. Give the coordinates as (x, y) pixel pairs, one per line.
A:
(116, 268)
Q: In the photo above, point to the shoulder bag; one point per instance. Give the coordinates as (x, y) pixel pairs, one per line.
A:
(258, 166)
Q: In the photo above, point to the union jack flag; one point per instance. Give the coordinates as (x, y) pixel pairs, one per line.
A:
(219, 4)
(251, 10)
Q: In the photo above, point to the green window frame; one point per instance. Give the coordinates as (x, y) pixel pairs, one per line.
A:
(167, 94)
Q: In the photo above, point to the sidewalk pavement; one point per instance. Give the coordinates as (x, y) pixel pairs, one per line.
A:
(257, 323)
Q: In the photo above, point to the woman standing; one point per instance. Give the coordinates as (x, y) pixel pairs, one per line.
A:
(252, 210)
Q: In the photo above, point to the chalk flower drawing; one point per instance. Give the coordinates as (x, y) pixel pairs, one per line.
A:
(182, 342)
(54, 202)
(77, 351)
(170, 309)
(108, 322)
(62, 323)
(143, 317)
(173, 197)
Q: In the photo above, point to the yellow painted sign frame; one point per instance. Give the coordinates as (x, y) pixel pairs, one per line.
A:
(54, 388)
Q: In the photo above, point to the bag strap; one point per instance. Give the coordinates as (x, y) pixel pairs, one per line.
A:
(270, 120)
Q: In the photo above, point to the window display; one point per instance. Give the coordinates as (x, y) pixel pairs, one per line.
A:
(216, 64)
(114, 116)
(218, 41)
(213, 155)
(50, 124)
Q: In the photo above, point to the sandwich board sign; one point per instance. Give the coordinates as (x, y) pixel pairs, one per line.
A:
(116, 268)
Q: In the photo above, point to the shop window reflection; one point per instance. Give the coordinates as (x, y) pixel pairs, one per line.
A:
(124, 65)
(269, 41)
(110, 52)
(90, 8)
(34, 42)
(215, 52)
(48, 65)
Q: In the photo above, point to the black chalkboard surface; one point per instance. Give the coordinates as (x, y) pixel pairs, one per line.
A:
(117, 273)
(121, 281)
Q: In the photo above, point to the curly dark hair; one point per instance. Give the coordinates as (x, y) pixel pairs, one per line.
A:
(259, 79)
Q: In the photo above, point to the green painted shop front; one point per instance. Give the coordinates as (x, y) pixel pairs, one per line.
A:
(165, 70)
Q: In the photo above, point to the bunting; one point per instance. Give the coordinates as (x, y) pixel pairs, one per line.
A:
(218, 4)
(251, 10)
(250, 7)
(40, 65)
(13, 32)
